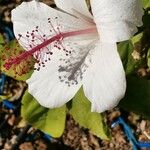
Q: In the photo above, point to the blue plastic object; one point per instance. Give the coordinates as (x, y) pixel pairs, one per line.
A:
(9, 33)
(7, 30)
(8, 105)
(2, 82)
(33, 136)
(30, 137)
(144, 144)
(48, 137)
(127, 130)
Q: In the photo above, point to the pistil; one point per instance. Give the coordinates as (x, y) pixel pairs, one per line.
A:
(18, 59)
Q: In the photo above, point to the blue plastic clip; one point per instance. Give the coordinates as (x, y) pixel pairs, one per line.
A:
(130, 136)
(8, 104)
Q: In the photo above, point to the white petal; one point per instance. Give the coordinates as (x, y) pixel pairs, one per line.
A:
(73, 6)
(49, 21)
(117, 20)
(104, 85)
(57, 82)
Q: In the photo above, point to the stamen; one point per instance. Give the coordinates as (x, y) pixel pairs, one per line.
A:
(36, 51)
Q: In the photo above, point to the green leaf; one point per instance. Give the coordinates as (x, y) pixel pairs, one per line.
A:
(14, 46)
(50, 121)
(128, 51)
(125, 50)
(146, 3)
(81, 112)
(146, 19)
(1, 39)
(137, 98)
(137, 38)
(1, 47)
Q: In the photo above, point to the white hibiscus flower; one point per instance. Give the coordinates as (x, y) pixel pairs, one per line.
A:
(75, 48)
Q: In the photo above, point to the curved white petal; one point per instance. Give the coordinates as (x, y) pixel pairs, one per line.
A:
(57, 82)
(117, 20)
(73, 6)
(50, 22)
(105, 84)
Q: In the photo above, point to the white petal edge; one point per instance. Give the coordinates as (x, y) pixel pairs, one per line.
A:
(71, 6)
(105, 83)
(117, 20)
